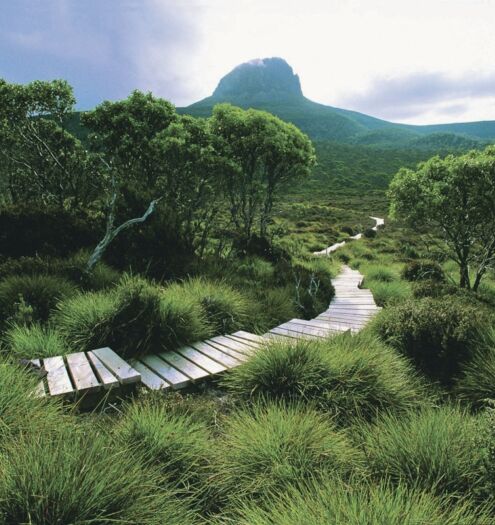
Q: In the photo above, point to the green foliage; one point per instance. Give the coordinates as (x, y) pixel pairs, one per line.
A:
(388, 293)
(423, 270)
(369, 233)
(335, 502)
(429, 288)
(225, 309)
(175, 443)
(270, 447)
(437, 334)
(64, 477)
(434, 449)
(41, 292)
(347, 376)
(34, 342)
(273, 306)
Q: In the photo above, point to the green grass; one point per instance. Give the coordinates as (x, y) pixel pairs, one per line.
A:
(269, 447)
(388, 293)
(346, 376)
(334, 502)
(34, 342)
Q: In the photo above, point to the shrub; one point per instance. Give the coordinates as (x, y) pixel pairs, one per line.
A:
(477, 381)
(433, 449)
(175, 443)
(348, 376)
(334, 502)
(272, 307)
(64, 477)
(369, 233)
(379, 273)
(41, 292)
(270, 447)
(102, 277)
(255, 269)
(348, 230)
(423, 270)
(438, 334)
(429, 288)
(20, 411)
(225, 309)
(386, 293)
(33, 342)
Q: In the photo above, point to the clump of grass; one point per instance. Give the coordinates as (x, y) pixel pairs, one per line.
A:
(334, 502)
(378, 273)
(66, 477)
(21, 412)
(40, 292)
(387, 293)
(270, 308)
(225, 308)
(102, 276)
(177, 444)
(434, 449)
(347, 376)
(34, 341)
(269, 447)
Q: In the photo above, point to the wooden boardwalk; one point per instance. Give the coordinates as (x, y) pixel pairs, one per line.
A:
(83, 374)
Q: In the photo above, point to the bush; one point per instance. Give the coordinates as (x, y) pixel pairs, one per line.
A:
(433, 449)
(64, 477)
(378, 273)
(477, 381)
(40, 292)
(272, 307)
(334, 502)
(225, 309)
(175, 443)
(34, 342)
(270, 447)
(429, 288)
(134, 318)
(20, 411)
(438, 334)
(386, 293)
(348, 376)
(369, 233)
(423, 270)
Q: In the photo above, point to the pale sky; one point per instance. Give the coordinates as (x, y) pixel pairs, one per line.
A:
(421, 61)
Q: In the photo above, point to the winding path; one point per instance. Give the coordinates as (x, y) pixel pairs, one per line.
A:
(91, 373)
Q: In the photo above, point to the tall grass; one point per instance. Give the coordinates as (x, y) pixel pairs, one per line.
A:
(34, 341)
(388, 293)
(67, 477)
(347, 376)
(434, 449)
(338, 503)
(270, 447)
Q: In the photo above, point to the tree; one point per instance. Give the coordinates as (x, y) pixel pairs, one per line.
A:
(40, 160)
(454, 197)
(269, 154)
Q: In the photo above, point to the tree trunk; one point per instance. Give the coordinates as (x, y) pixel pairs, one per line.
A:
(464, 281)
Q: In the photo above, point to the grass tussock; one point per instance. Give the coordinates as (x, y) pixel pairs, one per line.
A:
(34, 341)
(346, 376)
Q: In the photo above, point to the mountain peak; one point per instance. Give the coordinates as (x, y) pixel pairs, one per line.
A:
(259, 80)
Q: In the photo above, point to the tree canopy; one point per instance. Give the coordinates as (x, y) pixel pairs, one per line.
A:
(455, 197)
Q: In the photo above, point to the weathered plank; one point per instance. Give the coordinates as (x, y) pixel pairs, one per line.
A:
(107, 379)
(164, 370)
(249, 337)
(240, 356)
(232, 344)
(120, 368)
(57, 378)
(211, 366)
(148, 378)
(81, 372)
(184, 365)
(214, 353)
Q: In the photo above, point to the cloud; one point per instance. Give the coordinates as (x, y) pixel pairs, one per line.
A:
(399, 98)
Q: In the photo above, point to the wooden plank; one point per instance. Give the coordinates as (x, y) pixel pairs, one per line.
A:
(231, 344)
(173, 376)
(249, 337)
(107, 379)
(292, 334)
(57, 378)
(183, 365)
(120, 368)
(211, 366)
(149, 378)
(39, 391)
(296, 327)
(284, 337)
(213, 353)
(81, 372)
(245, 341)
(240, 356)
(331, 325)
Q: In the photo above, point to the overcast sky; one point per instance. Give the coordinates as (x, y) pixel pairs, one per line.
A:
(416, 61)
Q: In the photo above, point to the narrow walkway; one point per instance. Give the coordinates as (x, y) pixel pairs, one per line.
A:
(326, 251)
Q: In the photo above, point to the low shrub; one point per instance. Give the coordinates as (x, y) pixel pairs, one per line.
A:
(437, 334)
(64, 477)
(433, 449)
(175, 443)
(40, 292)
(334, 502)
(430, 288)
(272, 306)
(225, 309)
(422, 270)
(270, 447)
(255, 269)
(102, 276)
(34, 341)
(386, 293)
(369, 233)
(379, 273)
(347, 376)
